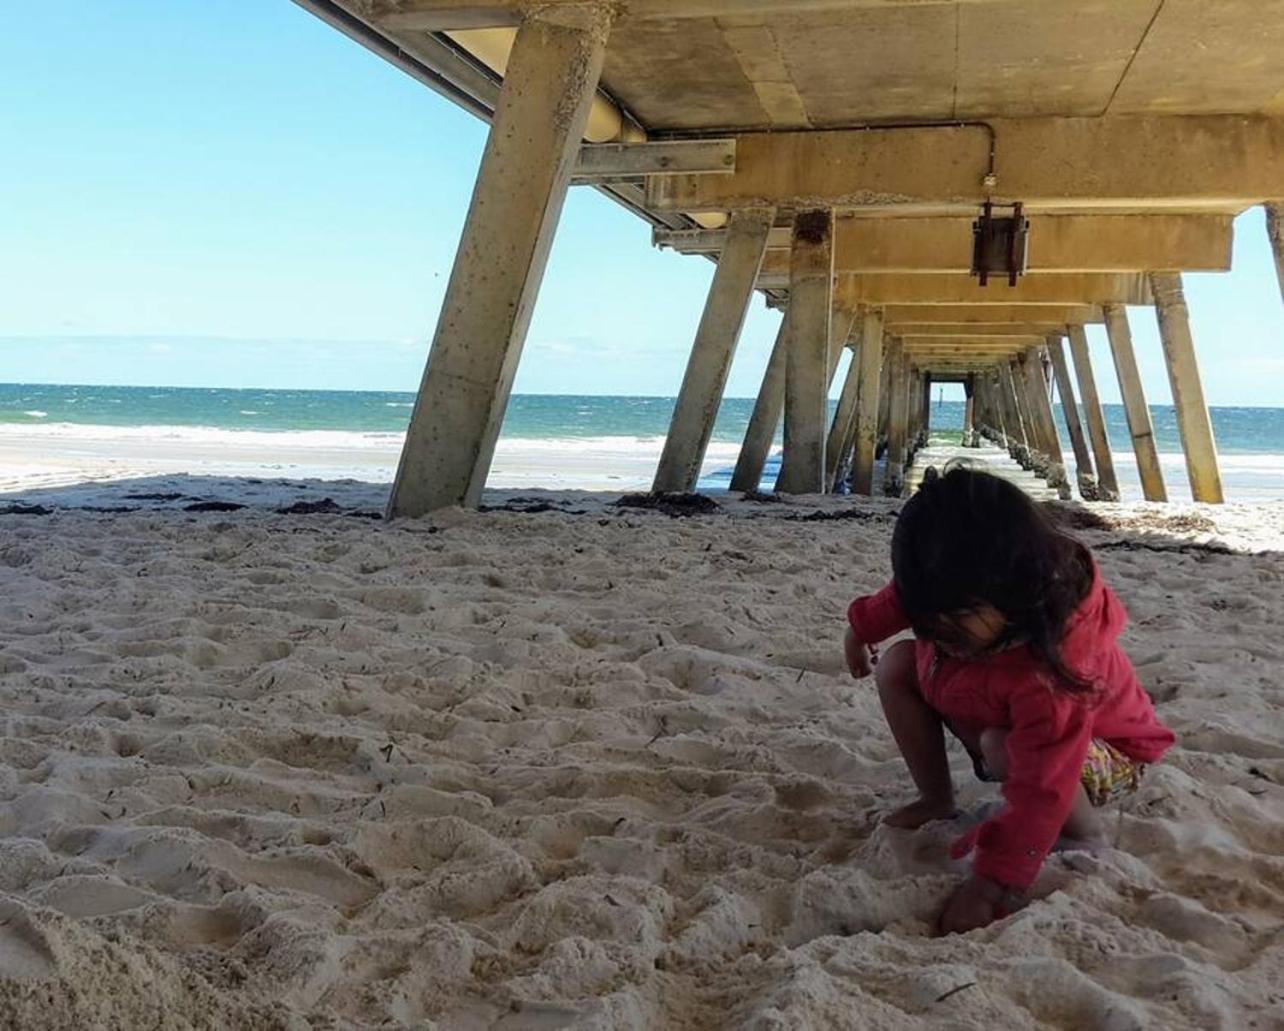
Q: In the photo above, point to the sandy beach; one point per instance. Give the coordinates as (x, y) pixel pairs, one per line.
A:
(535, 769)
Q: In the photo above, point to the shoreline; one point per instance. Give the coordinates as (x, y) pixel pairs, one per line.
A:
(64, 454)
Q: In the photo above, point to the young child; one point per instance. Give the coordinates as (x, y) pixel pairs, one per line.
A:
(1016, 653)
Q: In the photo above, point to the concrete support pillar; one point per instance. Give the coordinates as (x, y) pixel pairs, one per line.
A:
(811, 282)
(870, 371)
(1140, 427)
(761, 430)
(925, 419)
(898, 411)
(1084, 473)
(535, 136)
(1107, 483)
(1275, 230)
(993, 407)
(1045, 424)
(1193, 420)
(1019, 442)
(969, 412)
(844, 416)
(884, 401)
(714, 347)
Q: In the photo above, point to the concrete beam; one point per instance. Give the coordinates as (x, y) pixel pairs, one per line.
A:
(1146, 163)
(445, 15)
(867, 405)
(610, 162)
(1080, 314)
(954, 288)
(710, 241)
(1058, 243)
(978, 330)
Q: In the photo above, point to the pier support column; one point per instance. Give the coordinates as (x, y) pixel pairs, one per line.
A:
(1107, 484)
(1193, 420)
(1275, 231)
(811, 282)
(714, 347)
(994, 408)
(761, 430)
(884, 401)
(1084, 473)
(1049, 443)
(898, 385)
(870, 371)
(1019, 444)
(1140, 427)
(925, 413)
(969, 412)
(534, 139)
(844, 414)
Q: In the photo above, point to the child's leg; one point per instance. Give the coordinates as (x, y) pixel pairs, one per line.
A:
(919, 734)
(1083, 824)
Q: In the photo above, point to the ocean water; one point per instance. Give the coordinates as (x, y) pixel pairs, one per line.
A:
(1250, 440)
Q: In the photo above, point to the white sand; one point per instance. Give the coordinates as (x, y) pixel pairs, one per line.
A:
(600, 771)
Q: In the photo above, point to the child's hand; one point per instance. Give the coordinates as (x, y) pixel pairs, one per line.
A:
(975, 903)
(860, 656)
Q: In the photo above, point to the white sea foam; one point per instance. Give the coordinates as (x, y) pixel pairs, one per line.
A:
(36, 414)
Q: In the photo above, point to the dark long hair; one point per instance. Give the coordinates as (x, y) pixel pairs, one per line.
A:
(968, 538)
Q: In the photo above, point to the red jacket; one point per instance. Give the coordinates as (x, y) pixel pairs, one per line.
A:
(1049, 728)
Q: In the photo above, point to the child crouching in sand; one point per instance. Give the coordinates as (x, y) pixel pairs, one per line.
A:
(1016, 653)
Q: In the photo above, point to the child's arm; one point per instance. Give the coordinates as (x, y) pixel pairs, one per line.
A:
(876, 617)
(1046, 747)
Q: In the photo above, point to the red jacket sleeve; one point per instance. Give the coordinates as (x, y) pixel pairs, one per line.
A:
(876, 617)
(1046, 748)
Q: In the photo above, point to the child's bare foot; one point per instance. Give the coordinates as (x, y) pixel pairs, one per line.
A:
(916, 814)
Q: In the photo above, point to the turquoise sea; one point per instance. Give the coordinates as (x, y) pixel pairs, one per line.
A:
(1250, 440)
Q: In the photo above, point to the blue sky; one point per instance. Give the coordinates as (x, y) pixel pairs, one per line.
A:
(193, 198)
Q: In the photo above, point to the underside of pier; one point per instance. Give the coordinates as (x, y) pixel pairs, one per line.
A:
(954, 189)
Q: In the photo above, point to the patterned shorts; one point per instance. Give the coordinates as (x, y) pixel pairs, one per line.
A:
(1108, 773)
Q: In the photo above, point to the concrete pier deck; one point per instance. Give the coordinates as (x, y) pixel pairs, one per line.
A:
(987, 457)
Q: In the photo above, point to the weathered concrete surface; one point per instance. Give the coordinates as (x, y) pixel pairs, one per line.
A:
(1107, 482)
(1275, 232)
(871, 369)
(1084, 473)
(1040, 408)
(1193, 421)
(765, 417)
(1140, 164)
(1020, 440)
(956, 288)
(898, 386)
(844, 416)
(982, 311)
(1058, 243)
(978, 330)
(516, 204)
(1134, 399)
(699, 64)
(711, 354)
(811, 276)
